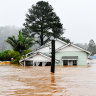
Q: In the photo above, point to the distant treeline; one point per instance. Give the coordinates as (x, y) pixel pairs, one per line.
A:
(91, 46)
(5, 32)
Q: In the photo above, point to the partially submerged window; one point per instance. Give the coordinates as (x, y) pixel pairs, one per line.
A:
(74, 62)
(65, 62)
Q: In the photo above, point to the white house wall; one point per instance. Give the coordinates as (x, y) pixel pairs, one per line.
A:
(72, 51)
(44, 50)
(47, 49)
(82, 56)
(40, 58)
(69, 48)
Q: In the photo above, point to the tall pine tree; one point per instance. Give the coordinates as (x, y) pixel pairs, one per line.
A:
(42, 22)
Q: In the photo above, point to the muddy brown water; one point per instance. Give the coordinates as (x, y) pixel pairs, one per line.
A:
(38, 81)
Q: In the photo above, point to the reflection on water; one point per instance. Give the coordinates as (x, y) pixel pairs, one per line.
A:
(38, 81)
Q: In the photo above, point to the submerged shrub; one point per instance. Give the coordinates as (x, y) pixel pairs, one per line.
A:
(7, 55)
(4, 56)
(15, 55)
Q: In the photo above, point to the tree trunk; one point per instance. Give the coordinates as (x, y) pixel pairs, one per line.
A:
(41, 37)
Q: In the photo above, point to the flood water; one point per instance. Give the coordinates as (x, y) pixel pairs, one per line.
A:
(38, 81)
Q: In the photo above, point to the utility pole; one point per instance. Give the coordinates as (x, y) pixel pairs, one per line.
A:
(53, 56)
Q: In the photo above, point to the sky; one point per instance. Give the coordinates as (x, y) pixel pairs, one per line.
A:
(77, 16)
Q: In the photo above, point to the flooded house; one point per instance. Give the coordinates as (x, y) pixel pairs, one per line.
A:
(66, 54)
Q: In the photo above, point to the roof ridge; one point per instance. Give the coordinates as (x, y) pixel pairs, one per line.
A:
(45, 45)
(74, 46)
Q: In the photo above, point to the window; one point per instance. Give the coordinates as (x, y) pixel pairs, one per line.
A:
(65, 62)
(74, 62)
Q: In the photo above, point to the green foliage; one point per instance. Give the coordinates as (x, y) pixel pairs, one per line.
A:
(4, 56)
(8, 54)
(25, 52)
(42, 22)
(15, 55)
(21, 44)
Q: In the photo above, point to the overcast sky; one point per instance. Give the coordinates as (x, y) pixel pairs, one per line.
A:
(78, 16)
